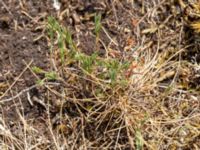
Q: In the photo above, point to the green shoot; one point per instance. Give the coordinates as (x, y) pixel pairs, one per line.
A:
(138, 140)
(64, 37)
(111, 70)
(69, 40)
(86, 62)
(97, 21)
(51, 75)
(40, 82)
(37, 70)
(48, 75)
(54, 28)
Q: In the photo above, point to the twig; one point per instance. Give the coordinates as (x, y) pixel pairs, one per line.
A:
(5, 6)
(16, 79)
(24, 91)
(20, 93)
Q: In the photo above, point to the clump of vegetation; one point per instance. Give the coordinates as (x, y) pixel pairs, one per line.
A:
(142, 95)
(110, 70)
(48, 76)
(111, 93)
(102, 83)
(63, 37)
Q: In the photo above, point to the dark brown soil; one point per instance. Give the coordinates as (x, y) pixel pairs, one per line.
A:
(17, 49)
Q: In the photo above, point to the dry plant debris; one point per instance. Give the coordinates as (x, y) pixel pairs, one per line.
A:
(100, 74)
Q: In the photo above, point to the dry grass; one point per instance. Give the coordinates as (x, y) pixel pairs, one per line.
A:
(145, 99)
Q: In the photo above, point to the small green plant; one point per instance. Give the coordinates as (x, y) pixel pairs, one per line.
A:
(116, 71)
(48, 75)
(63, 36)
(104, 69)
(69, 40)
(109, 70)
(40, 82)
(37, 70)
(51, 75)
(97, 21)
(139, 140)
(53, 29)
(113, 69)
(86, 62)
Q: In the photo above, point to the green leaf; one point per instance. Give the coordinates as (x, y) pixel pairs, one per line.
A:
(51, 75)
(40, 82)
(139, 140)
(37, 70)
(97, 20)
